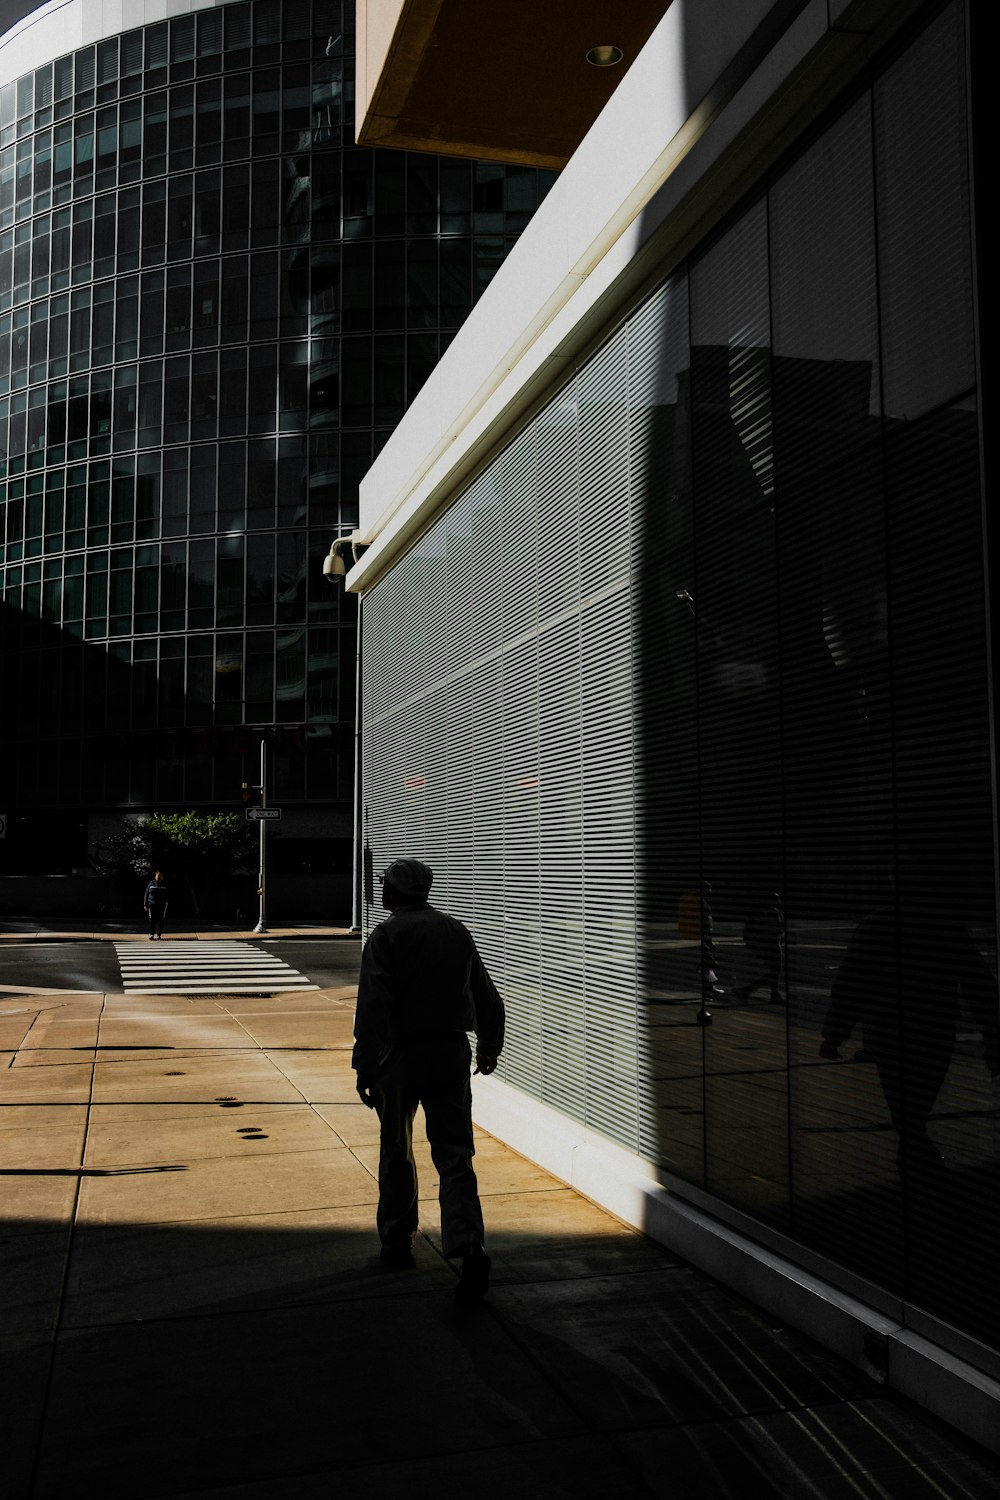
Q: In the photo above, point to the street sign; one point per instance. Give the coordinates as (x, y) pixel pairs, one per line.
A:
(262, 814)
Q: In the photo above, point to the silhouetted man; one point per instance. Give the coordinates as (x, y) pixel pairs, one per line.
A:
(423, 987)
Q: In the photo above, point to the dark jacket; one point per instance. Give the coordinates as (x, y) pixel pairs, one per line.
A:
(156, 895)
(421, 975)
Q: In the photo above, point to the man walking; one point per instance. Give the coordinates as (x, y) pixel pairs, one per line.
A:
(423, 987)
(154, 904)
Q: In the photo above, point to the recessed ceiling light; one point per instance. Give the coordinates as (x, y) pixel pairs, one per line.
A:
(605, 57)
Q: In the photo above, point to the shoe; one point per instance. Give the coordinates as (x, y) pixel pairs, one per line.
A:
(474, 1281)
(397, 1257)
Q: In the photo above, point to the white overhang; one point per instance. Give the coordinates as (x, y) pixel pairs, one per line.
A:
(716, 94)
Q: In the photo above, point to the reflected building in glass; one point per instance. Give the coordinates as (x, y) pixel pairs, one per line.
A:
(213, 310)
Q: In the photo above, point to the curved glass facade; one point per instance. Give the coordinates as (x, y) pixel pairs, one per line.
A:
(213, 309)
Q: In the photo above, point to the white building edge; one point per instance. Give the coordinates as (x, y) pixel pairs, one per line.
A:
(717, 94)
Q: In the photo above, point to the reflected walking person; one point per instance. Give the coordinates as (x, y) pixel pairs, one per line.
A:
(422, 988)
(154, 904)
(763, 936)
(906, 985)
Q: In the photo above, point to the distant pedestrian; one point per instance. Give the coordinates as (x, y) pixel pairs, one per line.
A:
(423, 987)
(154, 904)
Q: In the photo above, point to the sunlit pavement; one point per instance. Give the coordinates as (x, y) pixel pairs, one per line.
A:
(195, 1305)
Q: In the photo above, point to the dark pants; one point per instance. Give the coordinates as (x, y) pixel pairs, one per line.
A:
(156, 916)
(432, 1071)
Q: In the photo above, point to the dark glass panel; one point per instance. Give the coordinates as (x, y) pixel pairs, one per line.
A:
(180, 218)
(265, 212)
(105, 226)
(264, 290)
(290, 653)
(147, 497)
(177, 307)
(174, 502)
(147, 591)
(421, 194)
(204, 396)
(130, 140)
(201, 584)
(356, 303)
(79, 330)
(389, 192)
(266, 97)
(232, 392)
(106, 148)
(181, 127)
(150, 430)
(456, 197)
(835, 675)
(357, 189)
(261, 474)
(421, 283)
(734, 598)
(235, 299)
(942, 920)
(126, 406)
(128, 230)
(236, 115)
(176, 399)
(262, 389)
(154, 223)
(232, 486)
(925, 258)
(356, 382)
(207, 213)
(83, 242)
(201, 504)
(236, 208)
(259, 676)
(95, 624)
(154, 134)
(127, 317)
(388, 378)
(231, 590)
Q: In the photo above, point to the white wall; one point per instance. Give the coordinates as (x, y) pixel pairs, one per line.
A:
(59, 27)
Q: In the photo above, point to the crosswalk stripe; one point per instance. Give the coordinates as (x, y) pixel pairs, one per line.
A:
(193, 968)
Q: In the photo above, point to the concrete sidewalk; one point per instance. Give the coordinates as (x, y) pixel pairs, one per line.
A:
(20, 929)
(195, 1306)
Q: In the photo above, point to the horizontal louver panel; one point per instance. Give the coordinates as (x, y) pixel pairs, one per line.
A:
(686, 698)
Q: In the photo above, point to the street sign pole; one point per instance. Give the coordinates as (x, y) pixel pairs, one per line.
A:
(262, 881)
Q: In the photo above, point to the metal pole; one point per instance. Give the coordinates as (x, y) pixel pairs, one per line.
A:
(262, 880)
(358, 834)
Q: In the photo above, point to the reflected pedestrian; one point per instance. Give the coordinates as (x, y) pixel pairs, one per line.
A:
(423, 987)
(763, 936)
(916, 1022)
(154, 904)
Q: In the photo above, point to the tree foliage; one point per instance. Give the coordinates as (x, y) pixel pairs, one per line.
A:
(124, 852)
(193, 849)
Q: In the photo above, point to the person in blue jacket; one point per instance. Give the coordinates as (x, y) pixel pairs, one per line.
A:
(154, 904)
(423, 987)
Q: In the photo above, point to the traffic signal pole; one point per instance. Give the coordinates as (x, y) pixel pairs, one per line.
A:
(262, 872)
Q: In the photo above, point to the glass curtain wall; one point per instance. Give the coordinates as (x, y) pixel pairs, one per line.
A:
(695, 715)
(213, 309)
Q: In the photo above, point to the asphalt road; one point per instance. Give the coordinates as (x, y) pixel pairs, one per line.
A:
(93, 966)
